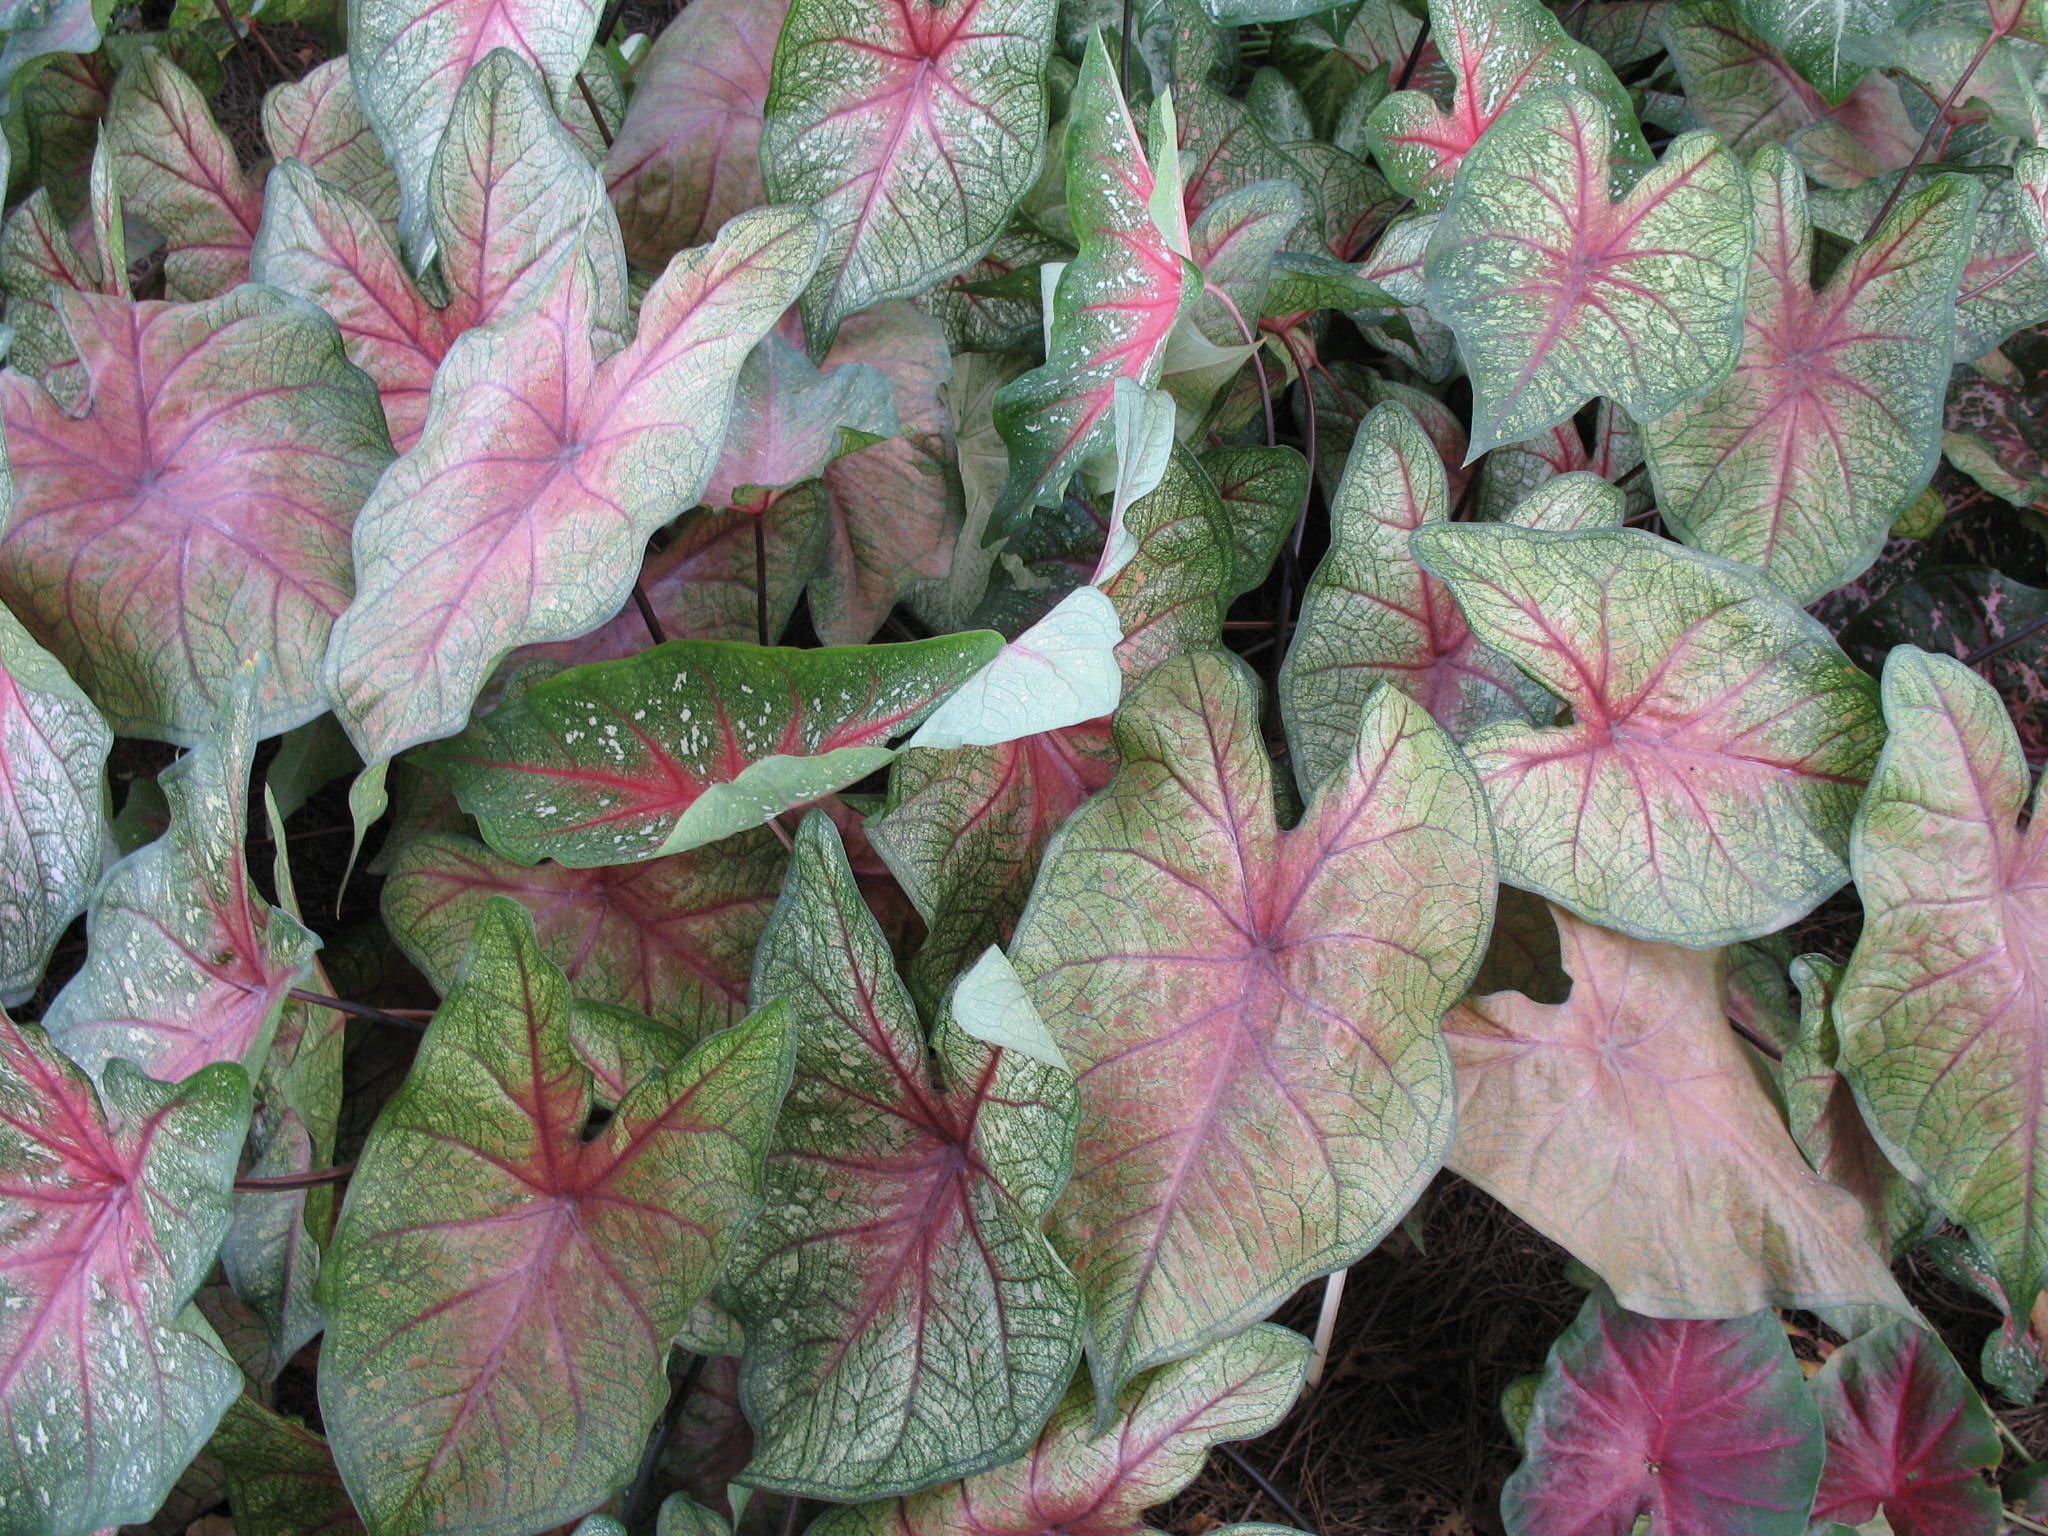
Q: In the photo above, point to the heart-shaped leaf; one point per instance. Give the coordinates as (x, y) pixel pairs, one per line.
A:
(790, 419)
(186, 964)
(1944, 1000)
(1557, 294)
(1079, 1480)
(1831, 423)
(912, 128)
(112, 1205)
(1718, 744)
(501, 1291)
(906, 1320)
(53, 760)
(1629, 1124)
(1907, 1433)
(281, 1477)
(1113, 310)
(1500, 52)
(1252, 1014)
(1820, 37)
(198, 512)
(690, 742)
(317, 121)
(671, 938)
(1705, 1427)
(500, 530)
(687, 157)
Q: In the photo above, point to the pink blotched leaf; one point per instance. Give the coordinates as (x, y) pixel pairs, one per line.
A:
(790, 419)
(1251, 1013)
(197, 510)
(499, 529)
(501, 1291)
(112, 1206)
(906, 1320)
(317, 121)
(1706, 1427)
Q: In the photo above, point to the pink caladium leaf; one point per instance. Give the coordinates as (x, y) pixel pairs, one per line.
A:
(178, 170)
(512, 195)
(1252, 1014)
(671, 938)
(790, 419)
(1705, 1427)
(1500, 52)
(500, 530)
(1945, 998)
(496, 1331)
(1557, 294)
(906, 1321)
(1114, 308)
(1830, 424)
(913, 128)
(1906, 1433)
(317, 121)
(197, 510)
(1078, 1480)
(687, 157)
(1718, 742)
(112, 1205)
(53, 762)
(1510, 473)
(186, 964)
(408, 62)
(39, 258)
(280, 1476)
(691, 742)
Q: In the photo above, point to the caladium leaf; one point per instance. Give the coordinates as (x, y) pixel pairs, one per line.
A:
(39, 257)
(317, 121)
(112, 1205)
(1500, 52)
(408, 62)
(1511, 472)
(1238, 998)
(1819, 37)
(501, 1292)
(1578, 1115)
(671, 938)
(186, 963)
(790, 419)
(497, 530)
(913, 129)
(1705, 1427)
(198, 512)
(1906, 1433)
(53, 761)
(178, 170)
(687, 157)
(1061, 671)
(690, 742)
(1557, 294)
(1718, 744)
(1262, 491)
(1830, 424)
(1113, 310)
(906, 1319)
(1946, 994)
(1080, 1480)
(1182, 556)
(280, 1475)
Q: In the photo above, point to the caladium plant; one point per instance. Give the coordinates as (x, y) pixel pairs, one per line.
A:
(955, 696)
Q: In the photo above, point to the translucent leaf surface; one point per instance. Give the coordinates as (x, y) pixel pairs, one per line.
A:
(1719, 740)
(906, 1320)
(1251, 1014)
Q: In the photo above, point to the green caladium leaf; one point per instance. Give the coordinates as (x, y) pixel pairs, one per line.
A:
(1500, 52)
(1234, 241)
(790, 419)
(501, 1291)
(197, 512)
(1113, 310)
(1077, 1477)
(1830, 424)
(497, 531)
(1237, 997)
(1718, 744)
(280, 1475)
(671, 938)
(53, 762)
(186, 964)
(1557, 294)
(906, 1320)
(1182, 554)
(913, 129)
(691, 742)
(1262, 491)
(112, 1204)
(1943, 999)
(1819, 37)
(1629, 1123)
(317, 121)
